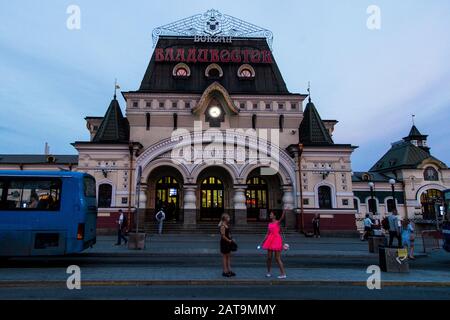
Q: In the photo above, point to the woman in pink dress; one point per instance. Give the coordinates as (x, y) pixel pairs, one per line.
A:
(273, 243)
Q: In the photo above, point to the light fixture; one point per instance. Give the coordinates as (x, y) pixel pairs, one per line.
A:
(392, 182)
(371, 185)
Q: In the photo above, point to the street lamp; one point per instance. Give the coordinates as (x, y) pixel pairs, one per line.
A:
(392, 183)
(372, 186)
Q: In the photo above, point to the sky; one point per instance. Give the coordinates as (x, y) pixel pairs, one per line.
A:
(370, 80)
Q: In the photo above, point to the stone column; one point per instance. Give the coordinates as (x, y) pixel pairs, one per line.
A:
(190, 205)
(142, 205)
(240, 207)
(288, 206)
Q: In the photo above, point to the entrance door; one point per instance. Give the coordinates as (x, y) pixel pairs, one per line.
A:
(431, 202)
(168, 198)
(257, 201)
(212, 199)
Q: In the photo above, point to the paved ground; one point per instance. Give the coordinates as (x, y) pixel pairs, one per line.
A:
(185, 267)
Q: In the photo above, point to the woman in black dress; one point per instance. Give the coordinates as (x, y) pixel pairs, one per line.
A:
(225, 245)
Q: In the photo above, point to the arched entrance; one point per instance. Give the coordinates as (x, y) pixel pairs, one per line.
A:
(168, 197)
(264, 194)
(431, 201)
(165, 191)
(215, 191)
(212, 198)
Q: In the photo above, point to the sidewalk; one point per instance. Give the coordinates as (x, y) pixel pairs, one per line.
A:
(180, 245)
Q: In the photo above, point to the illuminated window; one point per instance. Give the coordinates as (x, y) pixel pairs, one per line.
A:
(181, 70)
(431, 174)
(246, 72)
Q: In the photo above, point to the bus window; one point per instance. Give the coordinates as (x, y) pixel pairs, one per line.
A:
(89, 187)
(2, 187)
(43, 195)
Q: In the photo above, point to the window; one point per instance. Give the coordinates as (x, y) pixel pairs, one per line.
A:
(89, 187)
(294, 106)
(242, 105)
(254, 117)
(390, 205)
(345, 202)
(246, 72)
(148, 104)
(104, 196)
(174, 105)
(162, 105)
(187, 105)
(268, 106)
(324, 194)
(257, 199)
(280, 106)
(135, 104)
(255, 106)
(35, 194)
(373, 208)
(175, 121)
(214, 71)
(124, 200)
(431, 174)
(356, 204)
(181, 70)
(306, 202)
(147, 120)
(281, 123)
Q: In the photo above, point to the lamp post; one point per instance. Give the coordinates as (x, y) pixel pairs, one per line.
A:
(392, 183)
(372, 186)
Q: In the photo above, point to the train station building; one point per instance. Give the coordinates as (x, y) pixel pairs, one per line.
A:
(213, 129)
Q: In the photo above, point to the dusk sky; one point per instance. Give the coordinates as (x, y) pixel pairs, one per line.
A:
(372, 81)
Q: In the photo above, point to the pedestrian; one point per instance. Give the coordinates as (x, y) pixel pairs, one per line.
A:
(368, 225)
(226, 245)
(160, 217)
(408, 237)
(273, 243)
(394, 229)
(121, 226)
(316, 225)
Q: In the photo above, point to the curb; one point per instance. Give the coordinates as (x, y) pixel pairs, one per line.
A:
(137, 283)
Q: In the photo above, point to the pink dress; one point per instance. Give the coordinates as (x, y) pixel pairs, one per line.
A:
(274, 242)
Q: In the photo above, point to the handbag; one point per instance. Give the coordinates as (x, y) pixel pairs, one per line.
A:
(286, 246)
(233, 246)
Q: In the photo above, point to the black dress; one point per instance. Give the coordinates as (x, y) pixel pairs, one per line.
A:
(225, 246)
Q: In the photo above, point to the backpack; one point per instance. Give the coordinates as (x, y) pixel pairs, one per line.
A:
(385, 223)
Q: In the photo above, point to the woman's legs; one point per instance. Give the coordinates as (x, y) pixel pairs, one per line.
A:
(229, 262)
(411, 250)
(269, 261)
(280, 263)
(225, 263)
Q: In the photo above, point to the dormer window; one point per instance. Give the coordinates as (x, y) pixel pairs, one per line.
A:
(214, 71)
(246, 72)
(181, 70)
(431, 174)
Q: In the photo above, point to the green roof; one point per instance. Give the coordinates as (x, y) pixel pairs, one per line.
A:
(312, 129)
(402, 155)
(114, 127)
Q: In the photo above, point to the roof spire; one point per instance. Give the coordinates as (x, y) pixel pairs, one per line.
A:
(413, 119)
(116, 87)
(309, 91)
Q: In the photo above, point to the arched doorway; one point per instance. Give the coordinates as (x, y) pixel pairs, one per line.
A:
(104, 195)
(257, 199)
(431, 201)
(212, 199)
(168, 197)
(165, 190)
(324, 194)
(264, 194)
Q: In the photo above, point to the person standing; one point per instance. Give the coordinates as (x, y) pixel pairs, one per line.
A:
(408, 237)
(226, 244)
(394, 229)
(368, 225)
(316, 225)
(121, 226)
(160, 217)
(273, 243)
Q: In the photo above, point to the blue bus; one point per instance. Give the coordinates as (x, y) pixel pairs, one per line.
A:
(46, 213)
(446, 225)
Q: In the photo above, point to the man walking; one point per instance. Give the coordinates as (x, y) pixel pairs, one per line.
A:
(121, 225)
(394, 229)
(160, 217)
